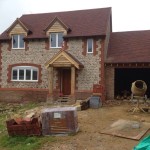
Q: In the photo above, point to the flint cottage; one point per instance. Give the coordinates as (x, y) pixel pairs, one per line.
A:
(72, 54)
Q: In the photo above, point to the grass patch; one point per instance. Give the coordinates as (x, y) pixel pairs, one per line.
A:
(30, 105)
(20, 142)
(23, 143)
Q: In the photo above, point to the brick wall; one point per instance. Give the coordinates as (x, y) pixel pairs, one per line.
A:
(22, 95)
(109, 82)
(83, 94)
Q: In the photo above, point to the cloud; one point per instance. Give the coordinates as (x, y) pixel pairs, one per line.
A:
(126, 15)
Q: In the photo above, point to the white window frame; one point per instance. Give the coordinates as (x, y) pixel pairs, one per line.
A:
(31, 68)
(88, 45)
(18, 47)
(56, 33)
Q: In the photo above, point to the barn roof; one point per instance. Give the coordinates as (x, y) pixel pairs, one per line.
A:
(129, 47)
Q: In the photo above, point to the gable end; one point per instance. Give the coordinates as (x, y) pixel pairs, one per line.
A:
(17, 28)
(57, 26)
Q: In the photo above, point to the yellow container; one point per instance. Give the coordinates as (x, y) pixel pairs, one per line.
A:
(138, 88)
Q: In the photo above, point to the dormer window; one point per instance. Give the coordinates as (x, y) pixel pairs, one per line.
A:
(56, 40)
(89, 45)
(17, 41)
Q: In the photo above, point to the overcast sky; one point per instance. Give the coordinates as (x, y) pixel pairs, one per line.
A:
(127, 15)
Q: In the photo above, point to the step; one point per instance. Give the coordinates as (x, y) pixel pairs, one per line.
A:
(64, 98)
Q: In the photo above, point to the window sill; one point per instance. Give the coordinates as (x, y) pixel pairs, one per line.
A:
(89, 52)
(55, 47)
(24, 81)
(18, 48)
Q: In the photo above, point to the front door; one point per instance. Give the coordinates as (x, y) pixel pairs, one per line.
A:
(66, 81)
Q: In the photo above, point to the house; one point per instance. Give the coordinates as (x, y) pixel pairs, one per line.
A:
(71, 54)
(45, 56)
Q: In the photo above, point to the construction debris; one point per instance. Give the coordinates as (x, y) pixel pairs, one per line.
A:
(23, 127)
(46, 121)
(82, 104)
(24, 123)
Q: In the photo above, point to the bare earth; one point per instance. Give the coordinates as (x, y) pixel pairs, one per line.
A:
(92, 122)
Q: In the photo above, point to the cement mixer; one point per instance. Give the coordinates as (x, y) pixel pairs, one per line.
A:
(139, 88)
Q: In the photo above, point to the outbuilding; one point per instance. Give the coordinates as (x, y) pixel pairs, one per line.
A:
(128, 59)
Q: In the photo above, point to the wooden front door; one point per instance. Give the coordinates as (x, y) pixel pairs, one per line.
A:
(66, 81)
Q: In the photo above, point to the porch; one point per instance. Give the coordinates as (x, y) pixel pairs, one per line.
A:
(66, 66)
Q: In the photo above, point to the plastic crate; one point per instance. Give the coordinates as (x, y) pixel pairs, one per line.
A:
(95, 102)
(60, 120)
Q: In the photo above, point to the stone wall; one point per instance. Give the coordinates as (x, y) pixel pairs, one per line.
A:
(36, 54)
(110, 77)
(90, 74)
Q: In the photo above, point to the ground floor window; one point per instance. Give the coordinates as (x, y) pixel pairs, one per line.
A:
(24, 73)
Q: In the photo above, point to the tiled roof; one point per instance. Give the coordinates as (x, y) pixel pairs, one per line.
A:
(90, 22)
(74, 61)
(129, 47)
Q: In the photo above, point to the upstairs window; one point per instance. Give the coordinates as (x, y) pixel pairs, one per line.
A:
(24, 73)
(89, 45)
(56, 40)
(17, 41)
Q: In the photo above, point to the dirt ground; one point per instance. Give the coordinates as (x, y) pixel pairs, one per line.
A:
(92, 122)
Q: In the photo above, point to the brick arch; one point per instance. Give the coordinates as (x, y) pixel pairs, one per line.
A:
(9, 70)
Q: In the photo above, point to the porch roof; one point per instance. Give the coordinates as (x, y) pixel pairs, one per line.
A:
(64, 59)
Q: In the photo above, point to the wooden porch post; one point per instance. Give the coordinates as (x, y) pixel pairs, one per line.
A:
(50, 78)
(72, 80)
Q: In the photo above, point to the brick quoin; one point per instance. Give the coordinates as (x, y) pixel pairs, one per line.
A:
(102, 76)
(9, 70)
(9, 45)
(95, 46)
(26, 45)
(47, 45)
(84, 47)
(58, 80)
(76, 80)
(65, 46)
(0, 63)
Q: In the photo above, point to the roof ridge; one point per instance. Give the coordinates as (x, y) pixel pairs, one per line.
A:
(86, 22)
(66, 11)
(130, 31)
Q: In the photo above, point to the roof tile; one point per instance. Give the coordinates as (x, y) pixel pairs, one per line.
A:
(129, 47)
(90, 22)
